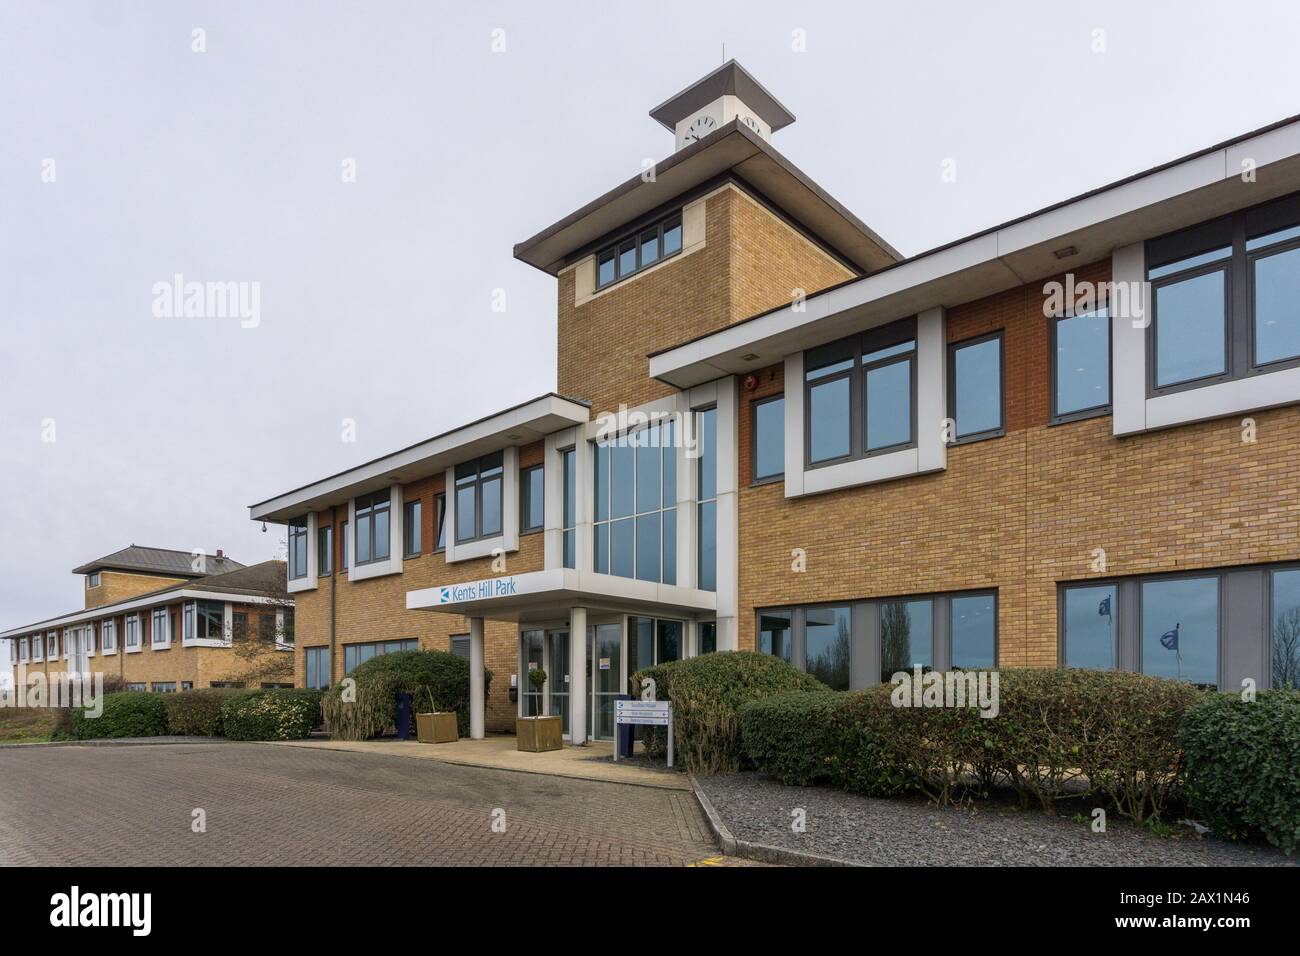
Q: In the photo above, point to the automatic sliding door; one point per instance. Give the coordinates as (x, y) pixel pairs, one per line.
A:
(557, 676)
(606, 666)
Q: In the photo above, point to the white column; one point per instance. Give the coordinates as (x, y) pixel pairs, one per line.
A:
(578, 667)
(476, 678)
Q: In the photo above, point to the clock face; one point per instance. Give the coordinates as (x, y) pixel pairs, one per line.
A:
(703, 126)
(751, 123)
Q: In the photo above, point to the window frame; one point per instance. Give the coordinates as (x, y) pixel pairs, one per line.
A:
(569, 506)
(414, 641)
(1270, 611)
(440, 517)
(93, 579)
(314, 658)
(525, 504)
(477, 484)
(661, 226)
(755, 404)
(666, 510)
(297, 529)
(108, 636)
(155, 615)
(376, 503)
(412, 532)
(951, 374)
(325, 538)
(1094, 411)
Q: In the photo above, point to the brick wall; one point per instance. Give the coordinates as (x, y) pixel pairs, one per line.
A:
(117, 586)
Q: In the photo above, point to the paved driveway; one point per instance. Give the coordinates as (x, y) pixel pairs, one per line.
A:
(282, 805)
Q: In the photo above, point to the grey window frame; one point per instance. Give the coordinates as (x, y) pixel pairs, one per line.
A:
(412, 533)
(1235, 231)
(377, 502)
(661, 226)
(665, 508)
(93, 579)
(477, 484)
(358, 644)
(853, 348)
(325, 536)
(1270, 574)
(313, 659)
(755, 477)
(569, 515)
(526, 522)
(298, 529)
(1094, 411)
(344, 540)
(440, 517)
(953, 349)
(700, 501)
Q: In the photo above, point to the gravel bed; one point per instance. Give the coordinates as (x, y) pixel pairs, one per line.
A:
(912, 832)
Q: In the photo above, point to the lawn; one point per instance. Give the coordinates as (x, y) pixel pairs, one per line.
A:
(24, 725)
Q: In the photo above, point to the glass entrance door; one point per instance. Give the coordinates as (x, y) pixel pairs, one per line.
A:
(557, 683)
(606, 677)
(532, 652)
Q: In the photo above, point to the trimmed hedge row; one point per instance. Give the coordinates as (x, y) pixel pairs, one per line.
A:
(707, 693)
(197, 713)
(1058, 733)
(132, 713)
(434, 679)
(284, 714)
(1243, 765)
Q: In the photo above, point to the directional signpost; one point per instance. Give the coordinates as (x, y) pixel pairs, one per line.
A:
(651, 713)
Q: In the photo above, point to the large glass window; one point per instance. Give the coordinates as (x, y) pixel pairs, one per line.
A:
(568, 466)
(828, 643)
(108, 640)
(706, 470)
(974, 631)
(317, 662)
(1276, 289)
(325, 550)
(774, 634)
(298, 548)
(1191, 337)
(38, 648)
(635, 481)
(859, 394)
(132, 632)
(1180, 629)
(975, 387)
(531, 495)
(906, 637)
(1081, 364)
(204, 620)
(769, 438)
(372, 527)
(634, 253)
(354, 654)
(478, 498)
(1088, 630)
(159, 635)
(708, 636)
(412, 543)
(1285, 650)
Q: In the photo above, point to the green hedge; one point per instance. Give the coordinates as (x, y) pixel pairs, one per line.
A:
(1243, 765)
(197, 713)
(1057, 733)
(132, 713)
(707, 693)
(432, 678)
(286, 714)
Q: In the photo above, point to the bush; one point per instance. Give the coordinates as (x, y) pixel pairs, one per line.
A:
(707, 693)
(132, 713)
(287, 714)
(1243, 765)
(196, 713)
(793, 736)
(432, 678)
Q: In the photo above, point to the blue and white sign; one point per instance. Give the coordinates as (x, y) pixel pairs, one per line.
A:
(477, 590)
(653, 713)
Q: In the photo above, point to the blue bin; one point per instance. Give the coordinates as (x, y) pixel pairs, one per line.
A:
(403, 716)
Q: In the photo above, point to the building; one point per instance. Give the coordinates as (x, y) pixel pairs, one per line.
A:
(1069, 439)
(163, 620)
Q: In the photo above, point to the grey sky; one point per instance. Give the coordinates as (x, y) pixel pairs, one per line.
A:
(226, 166)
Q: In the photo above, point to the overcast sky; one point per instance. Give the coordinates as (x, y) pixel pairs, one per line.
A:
(118, 426)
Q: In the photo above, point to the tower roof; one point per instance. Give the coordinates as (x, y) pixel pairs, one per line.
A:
(729, 79)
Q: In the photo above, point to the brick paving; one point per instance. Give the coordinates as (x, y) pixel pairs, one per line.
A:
(268, 805)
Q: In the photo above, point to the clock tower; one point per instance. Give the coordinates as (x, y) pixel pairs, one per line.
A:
(728, 94)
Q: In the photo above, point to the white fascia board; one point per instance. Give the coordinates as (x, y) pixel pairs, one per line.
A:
(127, 607)
(536, 418)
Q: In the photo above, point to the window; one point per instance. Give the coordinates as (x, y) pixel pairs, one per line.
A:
(975, 388)
(775, 629)
(974, 631)
(858, 395)
(706, 483)
(239, 626)
(440, 512)
(828, 642)
(317, 661)
(38, 648)
(1224, 298)
(205, 621)
(635, 483)
(92, 579)
(568, 465)
(187, 685)
(1285, 628)
(298, 548)
(460, 645)
(1088, 626)
(137, 686)
(708, 637)
(1180, 629)
(164, 687)
(769, 438)
(226, 683)
(478, 498)
(108, 636)
(52, 644)
(159, 633)
(347, 547)
(132, 641)
(640, 251)
(325, 550)
(652, 641)
(906, 637)
(354, 654)
(24, 650)
(412, 538)
(372, 532)
(268, 685)
(531, 495)
(266, 628)
(1080, 365)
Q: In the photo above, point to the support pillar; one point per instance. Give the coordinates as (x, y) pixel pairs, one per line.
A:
(579, 667)
(476, 701)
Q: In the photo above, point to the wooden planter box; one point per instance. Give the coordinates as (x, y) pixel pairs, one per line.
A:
(536, 734)
(436, 728)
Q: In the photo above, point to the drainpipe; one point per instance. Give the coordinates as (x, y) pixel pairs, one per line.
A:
(334, 585)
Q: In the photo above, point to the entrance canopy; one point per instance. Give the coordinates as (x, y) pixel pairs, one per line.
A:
(548, 595)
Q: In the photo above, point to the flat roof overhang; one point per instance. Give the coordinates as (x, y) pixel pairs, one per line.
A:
(1194, 189)
(551, 594)
(523, 424)
(731, 148)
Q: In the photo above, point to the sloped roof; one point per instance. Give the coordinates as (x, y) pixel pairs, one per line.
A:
(157, 561)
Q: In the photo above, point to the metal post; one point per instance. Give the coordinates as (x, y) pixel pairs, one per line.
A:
(670, 734)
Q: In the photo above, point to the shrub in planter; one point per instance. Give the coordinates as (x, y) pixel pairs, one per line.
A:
(196, 713)
(425, 675)
(132, 713)
(1243, 765)
(287, 714)
(707, 693)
